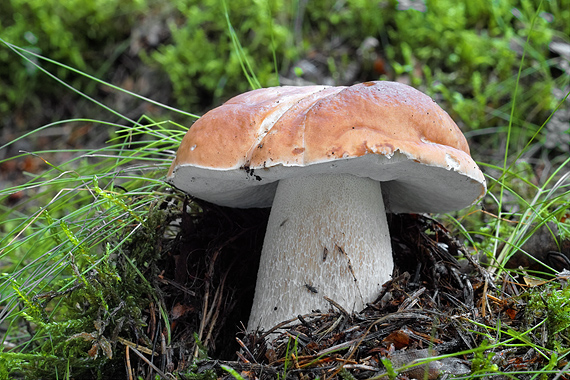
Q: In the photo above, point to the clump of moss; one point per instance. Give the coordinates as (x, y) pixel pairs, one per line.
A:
(551, 302)
(79, 327)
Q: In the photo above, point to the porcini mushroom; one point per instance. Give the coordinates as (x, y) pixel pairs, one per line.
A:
(329, 161)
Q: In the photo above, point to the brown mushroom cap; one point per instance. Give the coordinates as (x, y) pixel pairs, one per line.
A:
(235, 154)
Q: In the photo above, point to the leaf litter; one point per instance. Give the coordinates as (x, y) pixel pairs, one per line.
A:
(442, 315)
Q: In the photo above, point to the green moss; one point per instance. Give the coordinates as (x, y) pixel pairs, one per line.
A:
(551, 302)
(73, 32)
(75, 321)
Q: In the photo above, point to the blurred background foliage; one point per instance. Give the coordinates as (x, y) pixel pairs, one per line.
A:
(85, 34)
(465, 54)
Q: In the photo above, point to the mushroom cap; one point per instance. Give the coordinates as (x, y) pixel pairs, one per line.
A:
(235, 154)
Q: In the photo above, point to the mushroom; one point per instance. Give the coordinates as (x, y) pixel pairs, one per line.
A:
(330, 162)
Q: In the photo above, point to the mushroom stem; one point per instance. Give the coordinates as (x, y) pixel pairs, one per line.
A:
(327, 235)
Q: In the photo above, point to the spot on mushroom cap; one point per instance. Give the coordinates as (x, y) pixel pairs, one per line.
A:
(383, 130)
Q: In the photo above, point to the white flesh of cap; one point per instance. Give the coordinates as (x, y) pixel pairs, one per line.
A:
(326, 233)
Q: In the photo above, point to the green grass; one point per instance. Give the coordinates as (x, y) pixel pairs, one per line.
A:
(62, 250)
(74, 278)
(57, 259)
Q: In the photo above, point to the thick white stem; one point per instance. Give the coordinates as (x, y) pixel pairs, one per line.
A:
(327, 236)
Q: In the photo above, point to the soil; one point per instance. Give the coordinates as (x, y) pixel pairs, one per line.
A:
(434, 311)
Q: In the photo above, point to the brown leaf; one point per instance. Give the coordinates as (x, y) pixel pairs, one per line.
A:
(179, 310)
(398, 338)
